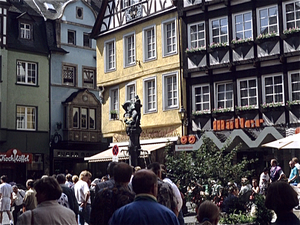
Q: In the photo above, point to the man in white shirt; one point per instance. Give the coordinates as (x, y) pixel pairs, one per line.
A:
(5, 199)
(82, 194)
(18, 196)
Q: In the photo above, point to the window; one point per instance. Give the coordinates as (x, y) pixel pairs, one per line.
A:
(79, 12)
(25, 30)
(72, 37)
(267, 20)
(224, 95)
(69, 75)
(219, 30)
(87, 118)
(169, 37)
(86, 40)
(292, 15)
(247, 92)
(75, 117)
(273, 89)
(196, 37)
(110, 55)
(127, 3)
(294, 80)
(114, 101)
(26, 73)
(130, 92)
(149, 37)
(242, 26)
(150, 95)
(201, 98)
(170, 91)
(89, 78)
(129, 50)
(26, 118)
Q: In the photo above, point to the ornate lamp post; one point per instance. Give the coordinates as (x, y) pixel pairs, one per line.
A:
(182, 116)
(133, 129)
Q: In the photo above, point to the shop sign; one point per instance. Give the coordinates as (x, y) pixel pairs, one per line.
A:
(15, 156)
(238, 123)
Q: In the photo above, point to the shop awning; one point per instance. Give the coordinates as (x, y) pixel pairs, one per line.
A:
(123, 153)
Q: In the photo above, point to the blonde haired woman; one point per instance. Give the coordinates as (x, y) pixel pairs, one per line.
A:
(208, 213)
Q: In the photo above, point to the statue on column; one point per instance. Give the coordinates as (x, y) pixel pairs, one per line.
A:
(132, 120)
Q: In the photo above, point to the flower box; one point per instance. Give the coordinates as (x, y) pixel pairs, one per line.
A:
(292, 32)
(241, 43)
(267, 37)
(218, 46)
(202, 49)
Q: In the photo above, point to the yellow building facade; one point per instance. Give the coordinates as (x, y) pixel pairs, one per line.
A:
(157, 79)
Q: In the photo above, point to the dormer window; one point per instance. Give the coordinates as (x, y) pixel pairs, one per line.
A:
(25, 31)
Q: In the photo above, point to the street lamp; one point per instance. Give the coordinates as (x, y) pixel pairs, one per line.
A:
(182, 116)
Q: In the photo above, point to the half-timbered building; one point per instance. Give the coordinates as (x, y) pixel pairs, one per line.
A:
(242, 71)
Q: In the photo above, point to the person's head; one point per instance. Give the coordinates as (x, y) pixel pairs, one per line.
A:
(29, 183)
(145, 182)
(75, 179)
(104, 178)
(274, 162)
(15, 188)
(208, 213)
(69, 177)
(61, 178)
(281, 197)
(3, 178)
(137, 168)
(244, 181)
(85, 175)
(291, 164)
(47, 188)
(110, 169)
(254, 182)
(155, 168)
(233, 190)
(122, 173)
(295, 160)
(266, 170)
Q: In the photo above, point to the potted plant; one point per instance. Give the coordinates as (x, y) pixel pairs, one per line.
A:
(237, 218)
(113, 114)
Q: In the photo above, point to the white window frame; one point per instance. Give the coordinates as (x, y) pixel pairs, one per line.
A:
(80, 118)
(264, 87)
(26, 71)
(239, 90)
(225, 98)
(284, 15)
(145, 97)
(201, 96)
(290, 84)
(165, 51)
(268, 26)
(211, 37)
(114, 93)
(146, 43)
(128, 92)
(165, 91)
(74, 75)
(126, 37)
(109, 58)
(196, 40)
(234, 23)
(25, 31)
(25, 117)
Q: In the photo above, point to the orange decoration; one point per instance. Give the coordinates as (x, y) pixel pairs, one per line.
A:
(184, 140)
(297, 131)
(192, 139)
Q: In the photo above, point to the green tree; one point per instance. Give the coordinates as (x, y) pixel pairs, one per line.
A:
(206, 164)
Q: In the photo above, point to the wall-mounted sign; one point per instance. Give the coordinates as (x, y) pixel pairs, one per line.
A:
(15, 156)
(238, 123)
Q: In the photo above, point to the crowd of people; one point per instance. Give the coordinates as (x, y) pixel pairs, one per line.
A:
(140, 196)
